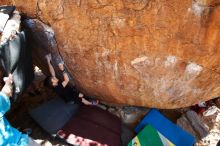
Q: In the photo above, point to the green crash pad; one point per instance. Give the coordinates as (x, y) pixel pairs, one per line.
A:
(149, 136)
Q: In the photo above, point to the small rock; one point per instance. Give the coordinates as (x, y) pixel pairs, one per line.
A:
(210, 111)
(129, 115)
(185, 124)
(132, 115)
(112, 110)
(197, 123)
(193, 123)
(102, 106)
(217, 102)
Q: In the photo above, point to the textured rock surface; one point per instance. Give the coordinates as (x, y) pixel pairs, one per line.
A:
(193, 123)
(206, 129)
(130, 116)
(151, 53)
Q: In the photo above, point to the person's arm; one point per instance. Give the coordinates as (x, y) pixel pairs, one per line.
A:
(65, 75)
(5, 93)
(51, 69)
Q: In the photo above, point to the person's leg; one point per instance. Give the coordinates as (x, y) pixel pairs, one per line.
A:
(86, 102)
(31, 142)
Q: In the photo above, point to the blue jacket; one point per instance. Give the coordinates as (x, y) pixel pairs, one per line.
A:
(9, 136)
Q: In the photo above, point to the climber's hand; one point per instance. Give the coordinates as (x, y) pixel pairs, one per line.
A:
(9, 79)
(48, 57)
(7, 88)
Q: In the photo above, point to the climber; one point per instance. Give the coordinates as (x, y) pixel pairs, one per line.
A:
(63, 89)
(8, 134)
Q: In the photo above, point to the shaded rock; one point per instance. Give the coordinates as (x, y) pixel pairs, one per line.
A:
(102, 106)
(217, 102)
(130, 116)
(42, 42)
(126, 135)
(173, 114)
(148, 53)
(186, 125)
(193, 123)
(115, 111)
(197, 124)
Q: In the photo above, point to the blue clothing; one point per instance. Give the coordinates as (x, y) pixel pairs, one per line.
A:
(9, 136)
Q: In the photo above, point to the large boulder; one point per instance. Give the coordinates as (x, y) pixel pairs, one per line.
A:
(151, 53)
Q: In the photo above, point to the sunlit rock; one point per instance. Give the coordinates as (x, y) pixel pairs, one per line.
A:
(162, 54)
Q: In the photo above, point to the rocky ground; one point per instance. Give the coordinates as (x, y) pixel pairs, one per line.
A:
(19, 118)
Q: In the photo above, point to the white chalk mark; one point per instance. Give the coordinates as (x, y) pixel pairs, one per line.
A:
(119, 22)
(197, 9)
(170, 61)
(193, 69)
(139, 60)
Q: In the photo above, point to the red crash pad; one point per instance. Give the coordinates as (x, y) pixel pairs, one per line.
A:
(92, 126)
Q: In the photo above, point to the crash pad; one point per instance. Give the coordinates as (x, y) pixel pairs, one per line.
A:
(92, 126)
(73, 123)
(171, 131)
(16, 58)
(149, 136)
(5, 13)
(53, 115)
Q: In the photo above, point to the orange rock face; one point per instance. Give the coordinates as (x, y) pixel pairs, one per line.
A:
(152, 53)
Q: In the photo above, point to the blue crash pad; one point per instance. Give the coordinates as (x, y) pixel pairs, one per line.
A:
(174, 133)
